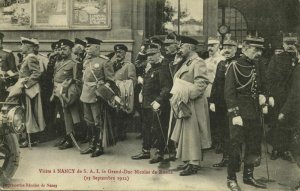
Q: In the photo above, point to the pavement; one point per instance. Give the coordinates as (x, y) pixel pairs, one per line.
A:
(47, 168)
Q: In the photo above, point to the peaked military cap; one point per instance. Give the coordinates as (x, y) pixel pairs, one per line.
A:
(153, 48)
(55, 45)
(213, 40)
(79, 41)
(171, 38)
(90, 40)
(1, 35)
(290, 38)
(188, 40)
(66, 42)
(120, 47)
(255, 41)
(29, 41)
(228, 41)
(156, 40)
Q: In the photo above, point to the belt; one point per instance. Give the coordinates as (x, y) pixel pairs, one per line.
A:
(93, 83)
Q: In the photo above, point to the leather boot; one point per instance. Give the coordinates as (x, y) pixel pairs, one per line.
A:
(99, 149)
(233, 185)
(88, 136)
(223, 163)
(190, 170)
(92, 143)
(248, 177)
(67, 144)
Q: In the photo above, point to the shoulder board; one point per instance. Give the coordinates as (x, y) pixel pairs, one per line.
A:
(42, 55)
(6, 50)
(104, 57)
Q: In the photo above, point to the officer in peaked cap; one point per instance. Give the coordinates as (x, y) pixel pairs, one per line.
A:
(217, 100)
(125, 77)
(98, 70)
(279, 74)
(66, 104)
(171, 46)
(7, 66)
(156, 87)
(245, 96)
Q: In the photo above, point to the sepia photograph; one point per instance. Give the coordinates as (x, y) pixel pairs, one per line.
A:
(147, 95)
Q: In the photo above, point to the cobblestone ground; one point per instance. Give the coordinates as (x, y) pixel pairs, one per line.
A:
(47, 168)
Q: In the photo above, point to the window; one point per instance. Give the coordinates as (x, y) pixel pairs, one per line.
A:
(55, 14)
(190, 13)
(235, 20)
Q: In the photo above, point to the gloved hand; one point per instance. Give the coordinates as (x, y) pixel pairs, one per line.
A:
(155, 105)
(281, 116)
(262, 99)
(271, 101)
(140, 97)
(212, 107)
(265, 110)
(140, 80)
(237, 121)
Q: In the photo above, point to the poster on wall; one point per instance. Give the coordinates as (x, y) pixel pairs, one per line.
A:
(15, 14)
(50, 13)
(91, 13)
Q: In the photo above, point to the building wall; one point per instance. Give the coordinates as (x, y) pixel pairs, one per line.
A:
(126, 27)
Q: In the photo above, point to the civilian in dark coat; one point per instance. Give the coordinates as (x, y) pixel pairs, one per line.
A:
(279, 74)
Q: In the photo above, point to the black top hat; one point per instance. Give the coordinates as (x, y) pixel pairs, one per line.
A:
(79, 41)
(65, 42)
(120, 47)
(90, 40)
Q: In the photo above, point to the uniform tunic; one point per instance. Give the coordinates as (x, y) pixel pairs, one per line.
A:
(243, 84)
(65, 70)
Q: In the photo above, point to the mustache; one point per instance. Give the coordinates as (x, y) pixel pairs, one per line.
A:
(226, 52)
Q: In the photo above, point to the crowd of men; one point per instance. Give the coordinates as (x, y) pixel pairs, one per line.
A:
(187, 101)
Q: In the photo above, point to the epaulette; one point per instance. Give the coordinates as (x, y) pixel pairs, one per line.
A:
(6, 50)
(104, 57)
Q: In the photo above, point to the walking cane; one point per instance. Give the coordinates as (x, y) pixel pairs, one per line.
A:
(265, 138)
(75, 142)
(162, 132)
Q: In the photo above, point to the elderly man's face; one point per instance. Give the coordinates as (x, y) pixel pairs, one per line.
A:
(184, 50)
(229, 51)
(213, 48)
(171, 48)
(92, 49)
(26, 48)
(78, 49)
(253, 52)
(120, 55)
(154, 58)
(289, 47)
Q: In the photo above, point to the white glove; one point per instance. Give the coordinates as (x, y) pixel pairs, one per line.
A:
(212, 107)
(262, 99)
(265, 110)
(140, 97)
(271, 101)
(140, 80)
(155, 105)
(281, 116)
(237, 121)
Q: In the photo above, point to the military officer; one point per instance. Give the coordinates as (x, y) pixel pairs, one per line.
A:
(279, 75)
(244, 96)
(65, 94)
(124, 73)
(217, 100)
(7, 67)
(157, 83)
(212, 62)
(29, 88)
(98, 70)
